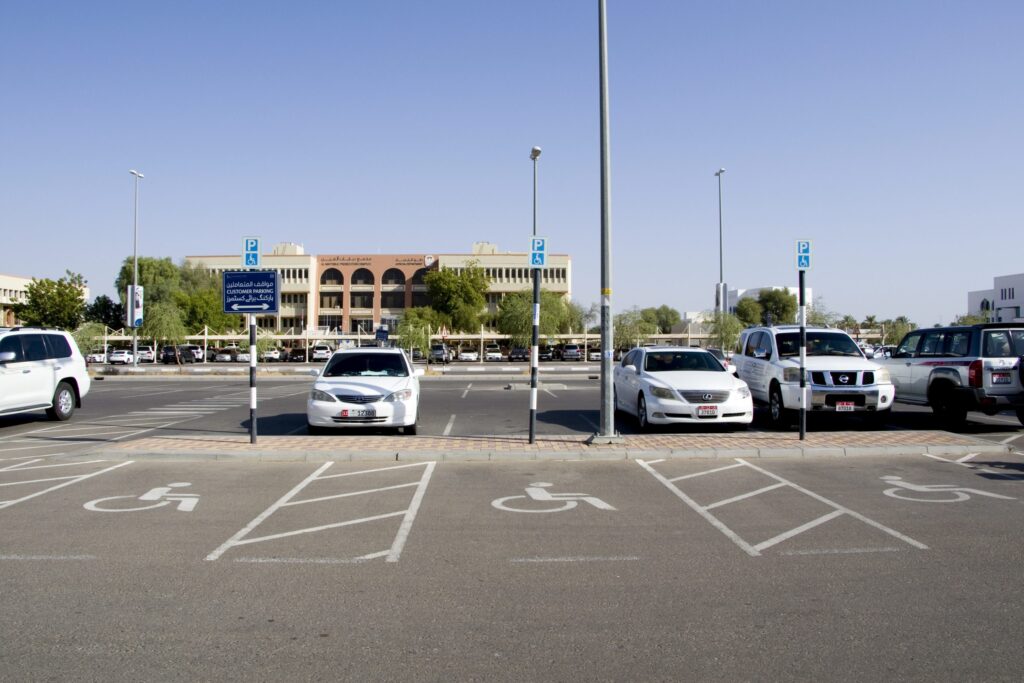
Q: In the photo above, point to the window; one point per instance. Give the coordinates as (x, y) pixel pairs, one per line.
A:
(331, 277)
(931, 343)
(34, 347)
(330, 301)
(392, 300)
(58, 346)
(908, 349)
(393, 276)
(367, 365)
(361, 299)
(675, 361)
(1001, 344)
(362, 277)
(958, 343)
(12, 344)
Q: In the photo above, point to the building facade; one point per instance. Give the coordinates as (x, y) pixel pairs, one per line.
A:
(13, 290)
(1003, 303)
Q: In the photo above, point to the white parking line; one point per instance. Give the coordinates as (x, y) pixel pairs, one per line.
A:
(466, 392)
(9, 503)
(517, 560)
(448, 427)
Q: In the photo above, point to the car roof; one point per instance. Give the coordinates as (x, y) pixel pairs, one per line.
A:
(690, 349)
(369, 349)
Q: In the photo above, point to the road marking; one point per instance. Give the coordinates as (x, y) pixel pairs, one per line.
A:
(448, 427)
(798, 530)
(35, 558)
(22, 465)
(410, 515)
(967, 457)
(743, 496)
(841, 551)
(353, 493)
(549, 392)
(701, 474)
(466, 392)
(968, 465)
(9, 503)
(311, 560)
(1011, 438)
(517, 560)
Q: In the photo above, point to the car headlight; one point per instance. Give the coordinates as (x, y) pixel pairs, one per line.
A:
(661, 392)
(882, 376)
(791, 375)
(317, 395)
(403, 395)
(743, 392)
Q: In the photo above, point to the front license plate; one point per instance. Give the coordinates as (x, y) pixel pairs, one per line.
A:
(844, 407)
(1001, 378)
(358, 412)
(707, 411)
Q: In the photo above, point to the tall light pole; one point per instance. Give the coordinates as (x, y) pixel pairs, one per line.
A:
(534, 346)
(135, 269)
(606, 430)
(722, 291)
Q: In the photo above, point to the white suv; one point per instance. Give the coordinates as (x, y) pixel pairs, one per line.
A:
(839, 377)
(321, 352)
(41, 369)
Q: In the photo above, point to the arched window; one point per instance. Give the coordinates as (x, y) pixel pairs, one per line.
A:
(331, 276)
(362, 277)
(393, 276)
(985, 305)
(417, 278)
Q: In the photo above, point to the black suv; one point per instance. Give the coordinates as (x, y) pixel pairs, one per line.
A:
(518, 353)
(176, 354)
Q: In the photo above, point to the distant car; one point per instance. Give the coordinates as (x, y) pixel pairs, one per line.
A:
(492, 352)
(146, 354)
(229, 355)
(572, 352)
(545, 353)
(242, 356)
(365, 387)
(195, 350)
(271, 355)
(121, 356)
(469, 355)
(717, 353)
(518, 353)
(594, 354)
(96, 356)
(176, 354)
(679, 385)
(321, 352)
(439, 353)
(417, 355)
(297, 355)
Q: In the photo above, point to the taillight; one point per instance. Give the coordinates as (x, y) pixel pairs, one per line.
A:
(974, 374)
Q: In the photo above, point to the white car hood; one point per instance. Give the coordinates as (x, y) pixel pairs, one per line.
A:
(832, 363)
(692, 379)
(362, 386)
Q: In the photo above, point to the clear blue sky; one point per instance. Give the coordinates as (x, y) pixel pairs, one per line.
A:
(890, 133)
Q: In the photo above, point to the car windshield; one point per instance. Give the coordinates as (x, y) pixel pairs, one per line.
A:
(1004, 343)
(818, 344)
(680, 361)
(366, 365)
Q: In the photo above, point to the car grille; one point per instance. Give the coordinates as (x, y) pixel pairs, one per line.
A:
(358, 398)
(850, 377)
(705, 396)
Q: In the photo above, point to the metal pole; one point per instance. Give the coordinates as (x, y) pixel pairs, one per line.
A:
(534, 344)
(722, 292)
(252, 378)
(135, 269)
(607, 427)
(803, 360)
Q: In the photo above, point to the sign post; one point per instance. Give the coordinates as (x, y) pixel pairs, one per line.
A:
(251, 292)
(803, 264)
(538, 258)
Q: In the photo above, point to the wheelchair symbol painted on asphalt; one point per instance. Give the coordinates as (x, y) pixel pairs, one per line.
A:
(933, 493)
(538, 492)
(159, 497)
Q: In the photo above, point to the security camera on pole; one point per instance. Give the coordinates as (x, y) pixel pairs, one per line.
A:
(803, 264)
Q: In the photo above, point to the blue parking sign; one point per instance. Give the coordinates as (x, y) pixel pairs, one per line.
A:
(538, 252)
(251, 252)
(803, 254)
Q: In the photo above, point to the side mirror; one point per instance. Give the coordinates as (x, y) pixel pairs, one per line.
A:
(419, 372)
(314, 373)
(632, 368)
(6, 356)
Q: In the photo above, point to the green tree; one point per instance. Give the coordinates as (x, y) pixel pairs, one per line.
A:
(969, 319)
(748, 311)
(54, 303)
(819, 315)
(630, 328)
(515, 316)
(163, 323)
(779, 304)
(201, 303)
(663, 317)
(159, 277)
(870, 322)
(89, 335)
(725, 329)
(105, 311)
(416, 327)
(896, 329)
(459, 295)
(848, 323)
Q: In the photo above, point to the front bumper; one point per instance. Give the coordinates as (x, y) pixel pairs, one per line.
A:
(823, 398)
(672, 411)
(385, 414)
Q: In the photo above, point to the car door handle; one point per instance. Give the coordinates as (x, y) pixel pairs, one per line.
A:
(25, 372)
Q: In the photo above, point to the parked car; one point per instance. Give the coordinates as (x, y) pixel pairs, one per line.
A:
(146, 354)
(41, 369)
(594, 355)
(176, 354)
(439, 353)
(228, 355)
(97, 355)
(363, 387)
(722, 358)
(545, 353)
(417, 355)
(679, 385)
(839, 378)
(242, 356)
(469, 355)
(297, 355)
(961, 368)
(121, 356)
(519, 353)
(492, 352)
(572, 352)
(321, 352)
(272, 355)
(195, 350)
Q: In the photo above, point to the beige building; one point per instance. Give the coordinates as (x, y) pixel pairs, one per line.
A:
(12, 291)
(352, 294)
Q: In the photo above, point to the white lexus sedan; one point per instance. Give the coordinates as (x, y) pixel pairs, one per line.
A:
(679, 385)
(365, 388)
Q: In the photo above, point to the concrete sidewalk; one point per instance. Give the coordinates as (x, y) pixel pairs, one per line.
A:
(347, 447)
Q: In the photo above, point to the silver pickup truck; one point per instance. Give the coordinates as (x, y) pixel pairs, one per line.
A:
(958, 369)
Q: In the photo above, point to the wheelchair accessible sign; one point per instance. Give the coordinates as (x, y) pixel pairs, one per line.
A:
(803, 254)
(538, 252)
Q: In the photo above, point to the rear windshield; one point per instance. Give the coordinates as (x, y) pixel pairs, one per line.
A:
(366, 365)
(676, 361)
(1003, 343)
(818, 344)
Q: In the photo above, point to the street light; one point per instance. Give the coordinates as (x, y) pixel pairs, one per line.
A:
(534, 347)
(135, 269)
(722, 293)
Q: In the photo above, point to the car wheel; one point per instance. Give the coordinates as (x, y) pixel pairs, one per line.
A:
(314, 431)
(777, 412)
(63, 402)
(409, 430)
(1020, 415)
(641, 414)
(947, 408)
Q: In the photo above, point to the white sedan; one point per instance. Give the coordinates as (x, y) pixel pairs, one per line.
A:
(468, 355)
(679, 385)
(122, 356)
(365, 388)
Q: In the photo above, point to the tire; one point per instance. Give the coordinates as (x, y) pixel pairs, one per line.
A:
(641, 414)
(409, 430)
(1020, 415)
(314, 431)
(946, 407)
(778, 415)
(63, 402)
